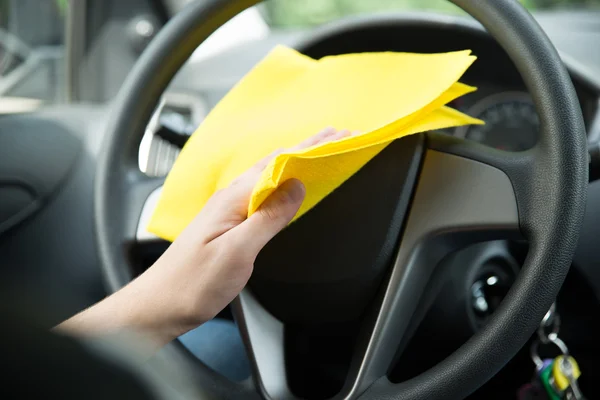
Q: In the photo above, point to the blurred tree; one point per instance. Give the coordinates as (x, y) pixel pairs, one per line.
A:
(62, 6)
(314, 12)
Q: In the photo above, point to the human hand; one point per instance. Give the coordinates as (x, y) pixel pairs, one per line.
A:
(206, 266)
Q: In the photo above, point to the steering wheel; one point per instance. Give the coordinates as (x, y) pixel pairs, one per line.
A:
(446, 194)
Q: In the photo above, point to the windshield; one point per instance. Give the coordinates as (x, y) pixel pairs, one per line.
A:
(295, 13)
(32, 38)
(50, 52)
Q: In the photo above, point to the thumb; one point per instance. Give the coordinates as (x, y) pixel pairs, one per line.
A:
(271, 217)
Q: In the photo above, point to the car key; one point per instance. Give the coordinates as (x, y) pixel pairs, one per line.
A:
(565, 372)
(557, 376)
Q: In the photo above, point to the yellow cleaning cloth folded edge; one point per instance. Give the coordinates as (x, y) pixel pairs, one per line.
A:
(393, 130)
(287, 98)
(287, 166)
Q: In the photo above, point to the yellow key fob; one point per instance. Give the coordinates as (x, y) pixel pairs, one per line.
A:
(560, 372)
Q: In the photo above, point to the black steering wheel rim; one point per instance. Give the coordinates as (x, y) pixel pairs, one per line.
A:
(550, 194)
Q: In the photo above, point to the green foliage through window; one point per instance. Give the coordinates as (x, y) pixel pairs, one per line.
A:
(289, 13)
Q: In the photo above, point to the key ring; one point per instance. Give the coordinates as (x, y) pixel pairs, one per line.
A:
(551, 320)
(549, 316)
(537, 360)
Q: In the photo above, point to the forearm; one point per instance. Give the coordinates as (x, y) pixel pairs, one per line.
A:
(130, 311)
(204, 269)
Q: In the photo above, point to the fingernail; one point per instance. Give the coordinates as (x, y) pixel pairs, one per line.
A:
(295, 190)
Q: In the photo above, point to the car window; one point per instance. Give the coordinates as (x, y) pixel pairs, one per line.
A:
(32, 41)
(293, 13)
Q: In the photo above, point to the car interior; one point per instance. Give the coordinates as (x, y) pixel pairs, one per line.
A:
(98, 97)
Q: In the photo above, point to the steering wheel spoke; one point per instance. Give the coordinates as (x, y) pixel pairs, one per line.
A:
(519, 167)
(140, 200)
(263, 335)
(458, 201)
(152, 189)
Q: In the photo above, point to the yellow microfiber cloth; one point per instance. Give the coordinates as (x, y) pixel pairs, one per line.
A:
(288, 97)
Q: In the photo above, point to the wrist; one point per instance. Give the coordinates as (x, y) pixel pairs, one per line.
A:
(149, 314)
(157, 305)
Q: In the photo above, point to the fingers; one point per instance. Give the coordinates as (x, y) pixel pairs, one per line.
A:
(272, 216)
(245, 183)
(320, 137)
(340, 135)
(326, 135)
(229, 207)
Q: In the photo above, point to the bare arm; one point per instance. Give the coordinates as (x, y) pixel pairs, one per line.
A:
(204, 269)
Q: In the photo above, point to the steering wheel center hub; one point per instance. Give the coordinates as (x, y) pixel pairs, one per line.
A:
(328, 265)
